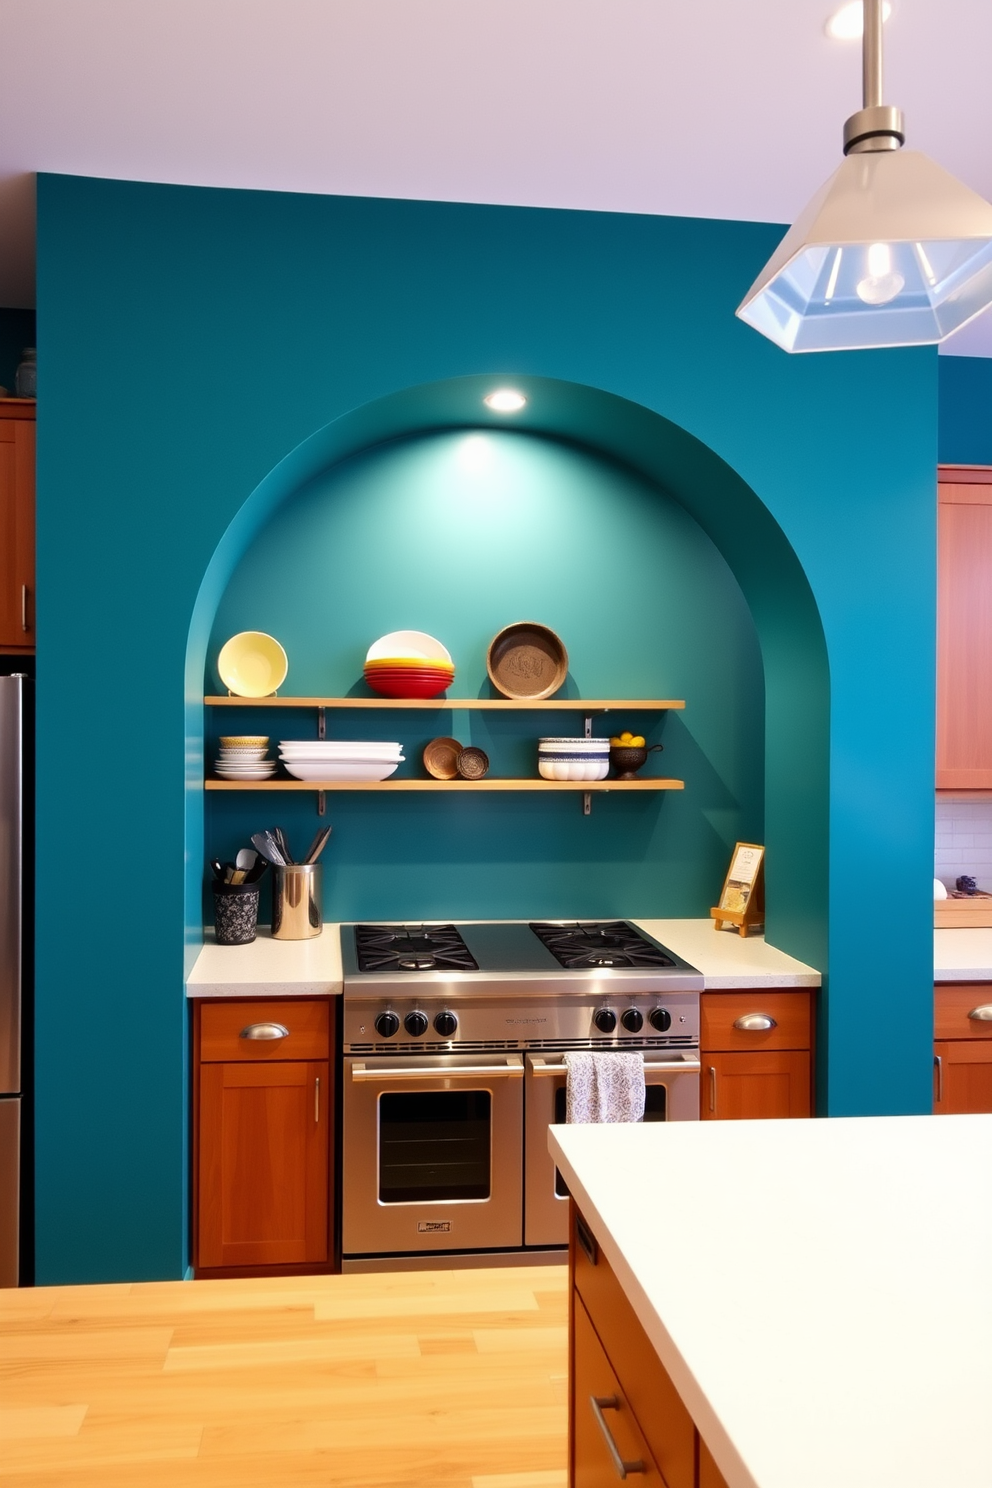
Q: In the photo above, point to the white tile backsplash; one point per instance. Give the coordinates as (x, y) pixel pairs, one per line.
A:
(963, 841)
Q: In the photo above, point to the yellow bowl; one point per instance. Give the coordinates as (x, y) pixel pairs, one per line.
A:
(244, 741)
(252, 664)
(435, 663)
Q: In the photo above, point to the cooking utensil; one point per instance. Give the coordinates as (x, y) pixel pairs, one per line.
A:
(246, 859)
(252, 664)
(473, 763)
(317, 845)
(218, 868)
(441, 758)
(282, 844)
(269, 849)
(527, 660)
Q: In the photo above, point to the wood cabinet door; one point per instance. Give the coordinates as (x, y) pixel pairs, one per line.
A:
(753, 1087)
(964, 631)
(962, 1078)
(17, 534)
(710, 1475)
(263, 1169)
(606, 1442)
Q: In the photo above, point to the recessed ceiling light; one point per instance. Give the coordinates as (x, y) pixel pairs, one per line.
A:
(505, 400)
(848, 23)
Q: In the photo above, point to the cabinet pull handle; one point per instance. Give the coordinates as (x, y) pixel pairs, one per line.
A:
(264, 1031)
(713, 1090)
(755, 1022)
(587, 1241)
(601, 1403)
(24, 608)
(316, 1100)
(982, 1014)
(938, 1065)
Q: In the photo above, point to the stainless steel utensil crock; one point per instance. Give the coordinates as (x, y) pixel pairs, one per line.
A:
(296, 909)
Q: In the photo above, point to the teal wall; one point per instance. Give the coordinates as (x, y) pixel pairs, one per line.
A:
(965, 410)
(260, 338)
(458, 534)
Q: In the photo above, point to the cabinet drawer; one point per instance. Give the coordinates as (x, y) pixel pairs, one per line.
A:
(952, 1005)
(653, 1398)
(223, 1028)
(723, 1013)
(607, 1443)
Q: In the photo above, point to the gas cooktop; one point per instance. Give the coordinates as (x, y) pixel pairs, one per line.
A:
(552, 956)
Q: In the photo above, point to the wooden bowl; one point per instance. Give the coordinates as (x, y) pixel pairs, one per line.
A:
(527, 660)
(441, 758)
(473, 763)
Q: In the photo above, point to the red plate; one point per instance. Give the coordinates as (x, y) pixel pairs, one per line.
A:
(408, 687)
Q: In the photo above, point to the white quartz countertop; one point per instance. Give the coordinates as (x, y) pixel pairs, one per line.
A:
(268, 968)
(727, 959)
(819, 1291)
(302, 968)
(962, 955)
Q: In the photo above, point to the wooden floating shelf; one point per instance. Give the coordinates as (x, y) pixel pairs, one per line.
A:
(655, 784)
(507, 705)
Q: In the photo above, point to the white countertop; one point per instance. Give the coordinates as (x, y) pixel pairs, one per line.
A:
(269, 968)
(962, 955)
(819, 1291)
(727, 959)
(312, 968)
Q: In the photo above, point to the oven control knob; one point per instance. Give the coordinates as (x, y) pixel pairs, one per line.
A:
(661, 1019)
(632, 1020)
(416, 1024)
(386, 1025)
(605, 1020)
(445, 1024)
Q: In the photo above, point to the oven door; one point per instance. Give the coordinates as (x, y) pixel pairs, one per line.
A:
(672, 1094)
(433, 1153)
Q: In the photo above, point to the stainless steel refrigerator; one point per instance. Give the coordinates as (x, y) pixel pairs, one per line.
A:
(11, 969)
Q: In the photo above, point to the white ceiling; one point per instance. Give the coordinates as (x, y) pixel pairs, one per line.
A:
(727, 109)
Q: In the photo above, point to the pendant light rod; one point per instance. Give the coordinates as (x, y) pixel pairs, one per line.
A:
(871, 54)
(876, 126)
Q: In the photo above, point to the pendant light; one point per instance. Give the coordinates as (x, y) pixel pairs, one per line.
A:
(892, 251)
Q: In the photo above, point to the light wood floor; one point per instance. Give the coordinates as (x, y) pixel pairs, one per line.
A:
(395, 1380)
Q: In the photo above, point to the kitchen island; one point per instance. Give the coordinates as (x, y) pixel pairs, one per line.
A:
(818, 1294)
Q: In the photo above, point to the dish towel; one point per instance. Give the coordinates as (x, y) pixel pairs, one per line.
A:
(604, 1087)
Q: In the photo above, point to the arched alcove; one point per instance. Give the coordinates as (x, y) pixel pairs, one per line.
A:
(645, 450)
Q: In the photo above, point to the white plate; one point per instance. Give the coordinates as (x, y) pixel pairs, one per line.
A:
(345, 747)
(245, 774)
(407, 644)
(355, 754)
(342, 769)
(245, 769)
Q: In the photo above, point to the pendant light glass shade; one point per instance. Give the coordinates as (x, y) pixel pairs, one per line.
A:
(892, 251)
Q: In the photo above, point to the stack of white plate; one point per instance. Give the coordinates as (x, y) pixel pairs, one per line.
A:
(244, 757)
(573, 759)
(340, 759)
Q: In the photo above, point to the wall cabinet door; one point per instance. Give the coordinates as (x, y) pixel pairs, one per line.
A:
(263, 1168)
(962, 1084)
(17, 532)
(750, 1087)
(964, 631)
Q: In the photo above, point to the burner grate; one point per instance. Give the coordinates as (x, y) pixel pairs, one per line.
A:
(412, 948)
(599, 945)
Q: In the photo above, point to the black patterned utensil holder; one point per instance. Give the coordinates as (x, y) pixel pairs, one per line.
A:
(235, 913)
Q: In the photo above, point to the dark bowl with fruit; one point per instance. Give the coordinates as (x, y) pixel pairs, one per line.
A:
(627, 759)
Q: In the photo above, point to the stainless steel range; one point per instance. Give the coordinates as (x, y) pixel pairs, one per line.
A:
(454, 1044)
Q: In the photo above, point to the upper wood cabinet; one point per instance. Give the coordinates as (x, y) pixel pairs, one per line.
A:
(964, 628)
(17, 606)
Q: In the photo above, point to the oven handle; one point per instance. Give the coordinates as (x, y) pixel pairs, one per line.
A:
(691, 1066)
(512, 1070)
